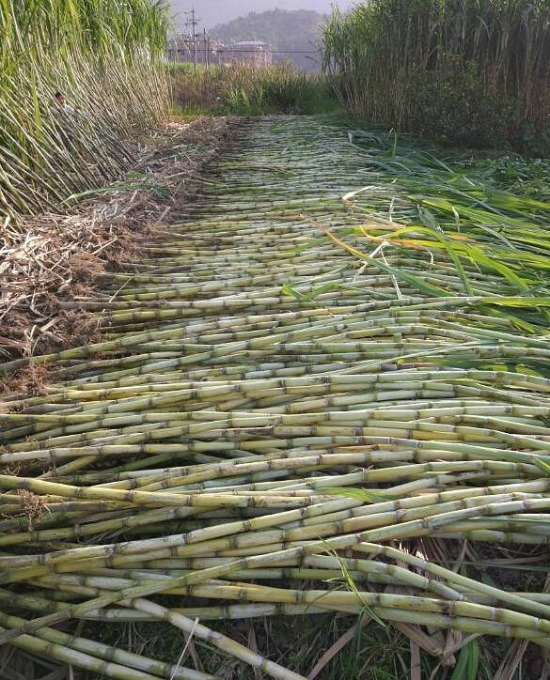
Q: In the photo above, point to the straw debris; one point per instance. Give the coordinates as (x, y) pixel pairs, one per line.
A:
(33, 507)
(60, 256)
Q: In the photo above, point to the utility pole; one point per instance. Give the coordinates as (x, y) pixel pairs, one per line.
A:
(193, 21)
(207, 48)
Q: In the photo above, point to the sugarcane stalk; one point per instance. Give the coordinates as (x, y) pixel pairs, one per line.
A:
(284, 394)
(96, 657)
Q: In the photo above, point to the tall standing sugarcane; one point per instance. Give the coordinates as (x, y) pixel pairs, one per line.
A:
(105, 57)
(476, 70)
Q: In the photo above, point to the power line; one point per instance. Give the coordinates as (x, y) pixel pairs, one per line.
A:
(294, 52)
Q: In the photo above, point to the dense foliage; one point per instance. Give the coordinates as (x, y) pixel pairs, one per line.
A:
(294, 36)
(472, 72)
(102, 55)
(243, 89)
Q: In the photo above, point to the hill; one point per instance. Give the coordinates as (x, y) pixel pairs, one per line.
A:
(294, 36)
(208, 13)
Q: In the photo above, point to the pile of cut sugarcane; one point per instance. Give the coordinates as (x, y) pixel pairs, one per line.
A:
(331, 374)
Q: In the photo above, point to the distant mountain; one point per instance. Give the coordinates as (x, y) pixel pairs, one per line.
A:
(209, 13)
(293, 36)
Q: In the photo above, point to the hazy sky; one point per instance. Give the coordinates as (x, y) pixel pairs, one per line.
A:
(209, 13)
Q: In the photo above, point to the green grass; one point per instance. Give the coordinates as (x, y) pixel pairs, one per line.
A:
(369, 652)
(517, 174)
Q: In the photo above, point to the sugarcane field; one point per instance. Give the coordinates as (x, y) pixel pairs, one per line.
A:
(274, 349)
